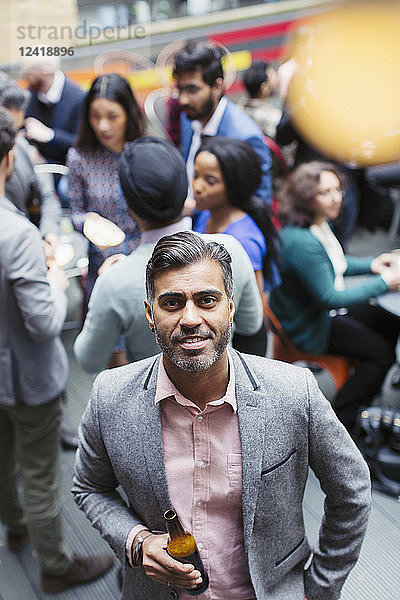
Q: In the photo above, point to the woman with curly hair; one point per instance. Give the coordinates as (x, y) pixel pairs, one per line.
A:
(319, 313)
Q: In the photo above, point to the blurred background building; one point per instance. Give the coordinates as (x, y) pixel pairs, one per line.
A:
(90, 28)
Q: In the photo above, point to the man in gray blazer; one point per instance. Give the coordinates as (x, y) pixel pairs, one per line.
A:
(225, 439)
(33, 373)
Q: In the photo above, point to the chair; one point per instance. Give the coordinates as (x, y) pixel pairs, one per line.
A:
(394, 193)
(277, 153)
(280, 171)
(339, 367)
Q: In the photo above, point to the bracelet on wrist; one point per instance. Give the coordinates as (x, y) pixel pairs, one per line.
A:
(137, 549)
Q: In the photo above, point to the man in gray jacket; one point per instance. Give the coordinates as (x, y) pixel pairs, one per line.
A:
(33, 373)
(34, 194)
(224, 439)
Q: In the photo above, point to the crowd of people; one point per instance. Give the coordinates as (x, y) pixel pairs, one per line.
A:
(205, 246)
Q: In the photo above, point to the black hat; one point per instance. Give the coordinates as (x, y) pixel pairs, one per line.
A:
(153, 177)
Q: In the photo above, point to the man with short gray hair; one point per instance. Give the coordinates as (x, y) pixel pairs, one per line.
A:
(54, 110)
(226, 440)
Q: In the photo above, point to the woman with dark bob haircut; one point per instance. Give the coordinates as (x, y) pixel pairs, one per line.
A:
(316, 309)
(227, 173)
(110, 117)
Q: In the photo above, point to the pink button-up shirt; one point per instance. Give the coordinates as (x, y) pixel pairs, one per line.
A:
(203, 462)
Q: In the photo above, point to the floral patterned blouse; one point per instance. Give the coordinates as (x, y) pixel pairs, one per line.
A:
(93, 186)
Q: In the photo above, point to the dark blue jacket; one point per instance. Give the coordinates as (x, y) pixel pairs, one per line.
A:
(235, 123)
(63, 118)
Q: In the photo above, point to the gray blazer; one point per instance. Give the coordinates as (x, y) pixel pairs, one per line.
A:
(24, 185)
(33, 362)
(286, 425)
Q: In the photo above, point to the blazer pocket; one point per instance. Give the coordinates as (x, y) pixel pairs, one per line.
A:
(279, 464)
(289, 554)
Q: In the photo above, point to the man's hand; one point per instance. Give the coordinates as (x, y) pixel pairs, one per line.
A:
(189, 207)
(161, 567)
(111, 260)
(50, 242)
(37, 131)
(57, 278)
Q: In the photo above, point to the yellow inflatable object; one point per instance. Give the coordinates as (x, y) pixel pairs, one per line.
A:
(344, 97)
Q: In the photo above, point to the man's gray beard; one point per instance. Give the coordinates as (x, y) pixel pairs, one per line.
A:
(195, 363)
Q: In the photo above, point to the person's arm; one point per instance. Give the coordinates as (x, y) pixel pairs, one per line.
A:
(94, 345)
(358, 265)
(361, 265)
(95, 484)
(76, 190)
(39, 296)
(312, 267)
(56, 141)
(248, 317)
(344, 478)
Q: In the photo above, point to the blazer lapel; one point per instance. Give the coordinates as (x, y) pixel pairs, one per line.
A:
(151, 439)
(186, 136)
(252, 414)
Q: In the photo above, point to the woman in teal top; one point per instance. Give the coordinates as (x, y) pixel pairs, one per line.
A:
(316, 310)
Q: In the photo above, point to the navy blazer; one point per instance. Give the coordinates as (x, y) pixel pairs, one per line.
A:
(63, 118)
(235, 123)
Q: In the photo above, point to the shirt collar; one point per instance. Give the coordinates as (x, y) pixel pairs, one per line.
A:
(6, 203)
(152, 236)
(53, 94)
(211, 127)
(256, 102)
(166, 389)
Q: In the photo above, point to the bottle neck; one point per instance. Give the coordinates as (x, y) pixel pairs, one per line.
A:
(174, 526)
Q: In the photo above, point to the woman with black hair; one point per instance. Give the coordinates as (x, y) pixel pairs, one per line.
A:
(227, 173)
(111, 117)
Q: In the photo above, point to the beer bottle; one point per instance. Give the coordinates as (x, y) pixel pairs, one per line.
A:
(182, 547)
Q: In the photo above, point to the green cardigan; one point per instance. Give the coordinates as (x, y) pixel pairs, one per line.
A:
(307, 294)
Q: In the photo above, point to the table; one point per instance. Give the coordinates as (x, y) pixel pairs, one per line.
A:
(390, 302)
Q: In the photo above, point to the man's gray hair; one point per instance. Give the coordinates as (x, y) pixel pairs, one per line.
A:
(182, 249)
(11, 95)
